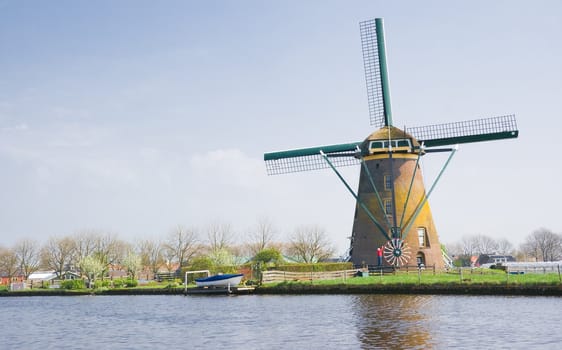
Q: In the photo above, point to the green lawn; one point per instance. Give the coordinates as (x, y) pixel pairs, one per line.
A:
(490, 277)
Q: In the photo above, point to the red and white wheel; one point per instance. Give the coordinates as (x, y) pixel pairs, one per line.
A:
(396, 252)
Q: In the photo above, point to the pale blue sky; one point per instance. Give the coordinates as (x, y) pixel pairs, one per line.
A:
(136, 116)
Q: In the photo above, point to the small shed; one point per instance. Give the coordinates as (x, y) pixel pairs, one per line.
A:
(39, 278)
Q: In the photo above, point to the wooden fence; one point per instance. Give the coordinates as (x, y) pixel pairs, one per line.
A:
(540, 268)
(274, 276)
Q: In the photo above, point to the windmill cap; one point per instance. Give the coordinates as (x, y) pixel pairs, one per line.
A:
(394, 133)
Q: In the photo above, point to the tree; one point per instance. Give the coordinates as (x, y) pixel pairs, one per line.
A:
(261, 236)
(92, 267)
(27, 253)
(201, 263)
(221, 257)
(109, 249)
(485, 244)
(151, 253)
(543, 245)
(478, 244)
(268, 256)
(58, 254)
(106, 247)
(468, 246)
(8, 262)
(505, 247)
(133, 263)
(84, 244)
(219, 236)
(309, 245)
(181, 245)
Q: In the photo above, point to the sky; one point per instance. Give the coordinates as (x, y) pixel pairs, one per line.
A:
(134, 117)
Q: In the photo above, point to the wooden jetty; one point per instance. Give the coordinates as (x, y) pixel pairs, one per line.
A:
(219, 290)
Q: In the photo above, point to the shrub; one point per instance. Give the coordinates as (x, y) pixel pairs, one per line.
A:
(118, 283)
(269, 256)
(124, 282)
(131, 283)
(101, 284)
(72, 284)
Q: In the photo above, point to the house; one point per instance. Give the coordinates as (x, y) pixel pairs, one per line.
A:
(485, 260)
(6, 280)
(69, 275)
(116, 271)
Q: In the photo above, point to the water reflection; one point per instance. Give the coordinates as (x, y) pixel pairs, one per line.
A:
(393, 321)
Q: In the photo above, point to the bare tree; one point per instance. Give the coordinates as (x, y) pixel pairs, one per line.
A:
(505, 247)
(219, 236)
(58, 254)
(181, 245)
(454, 249)
(105, 247)
(543, 245)
(468, 246)
(109, 249)
(220, 248)
(485, 244)
(27, 252)
(85, 244)
(261, 236)
(8, 262)
(478, 244)
(151, 253)
(309, 244)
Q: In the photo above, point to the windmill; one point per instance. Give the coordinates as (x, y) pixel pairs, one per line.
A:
(392, 218)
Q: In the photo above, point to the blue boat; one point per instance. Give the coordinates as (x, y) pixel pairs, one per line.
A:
(224, 280)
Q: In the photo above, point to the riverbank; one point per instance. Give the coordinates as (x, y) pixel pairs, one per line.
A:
(448, 289)
(304, 288)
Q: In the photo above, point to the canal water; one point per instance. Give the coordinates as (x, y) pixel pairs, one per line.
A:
(281, 322)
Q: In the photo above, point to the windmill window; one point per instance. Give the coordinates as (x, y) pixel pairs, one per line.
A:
(388, 206)
(422, 237)
(403, 143)
(377, 144)
(387, 182)
(385, 144)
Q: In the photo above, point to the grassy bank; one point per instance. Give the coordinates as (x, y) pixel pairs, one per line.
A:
(100, 291)
(476, 282)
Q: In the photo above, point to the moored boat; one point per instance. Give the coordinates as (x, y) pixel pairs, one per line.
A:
(224, 280)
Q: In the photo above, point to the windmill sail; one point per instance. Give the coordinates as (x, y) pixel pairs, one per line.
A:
(376, 74)
(306, 159)
(488, 129)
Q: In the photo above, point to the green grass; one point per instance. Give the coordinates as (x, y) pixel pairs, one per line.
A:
(484, 277)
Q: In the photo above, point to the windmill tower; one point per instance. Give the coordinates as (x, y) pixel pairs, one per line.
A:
(392, 211)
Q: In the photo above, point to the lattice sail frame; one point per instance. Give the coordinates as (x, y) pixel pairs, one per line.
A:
(371, 62)
(309, 162)
(477, 130)
(306, 159)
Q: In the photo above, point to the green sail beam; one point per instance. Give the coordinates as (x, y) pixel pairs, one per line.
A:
(312, 151)
(384, 72)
